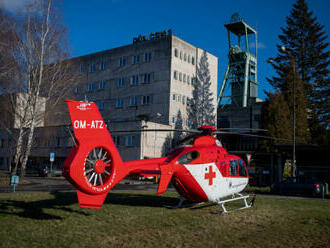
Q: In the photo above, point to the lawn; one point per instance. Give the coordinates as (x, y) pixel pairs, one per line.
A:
(138, 219)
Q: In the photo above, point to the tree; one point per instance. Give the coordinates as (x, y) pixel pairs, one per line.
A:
(304, 40)
(276, 119)
(43, 76)
(287, 109)
(201, 109)
(179, 126)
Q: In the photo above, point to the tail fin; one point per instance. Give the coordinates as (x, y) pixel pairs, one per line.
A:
(94, 166)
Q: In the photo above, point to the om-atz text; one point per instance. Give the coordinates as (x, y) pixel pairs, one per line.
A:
(84, 124)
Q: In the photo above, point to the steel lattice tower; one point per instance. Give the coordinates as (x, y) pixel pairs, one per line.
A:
(241, 70)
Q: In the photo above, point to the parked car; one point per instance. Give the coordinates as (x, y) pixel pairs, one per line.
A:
(298, 185)
(42, 170)
(46, 170)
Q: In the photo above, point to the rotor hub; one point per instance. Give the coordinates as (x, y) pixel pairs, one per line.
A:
(99, 166)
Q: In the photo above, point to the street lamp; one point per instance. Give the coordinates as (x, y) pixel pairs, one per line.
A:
(292, 61)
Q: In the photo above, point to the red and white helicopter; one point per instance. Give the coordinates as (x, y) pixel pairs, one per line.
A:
(201, 172)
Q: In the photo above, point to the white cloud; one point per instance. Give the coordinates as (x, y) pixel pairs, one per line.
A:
(15, 6)
(260, 45)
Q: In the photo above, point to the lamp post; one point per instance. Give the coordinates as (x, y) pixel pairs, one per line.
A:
(292, 62)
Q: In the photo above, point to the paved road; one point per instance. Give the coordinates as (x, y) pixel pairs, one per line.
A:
(45, 184)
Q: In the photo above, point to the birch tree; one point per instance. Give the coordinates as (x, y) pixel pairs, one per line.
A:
(44, 77)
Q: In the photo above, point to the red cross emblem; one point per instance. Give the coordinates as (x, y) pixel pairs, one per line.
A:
(210, 175)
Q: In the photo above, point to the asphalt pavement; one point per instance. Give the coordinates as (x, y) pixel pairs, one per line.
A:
(54, 184)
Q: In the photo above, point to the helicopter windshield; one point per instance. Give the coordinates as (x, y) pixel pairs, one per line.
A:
(188, 157)
(242, 170)
(237, 168)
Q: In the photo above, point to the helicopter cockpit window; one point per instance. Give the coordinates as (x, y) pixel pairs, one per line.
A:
(233, 168)
(188, 157)
(242, 170)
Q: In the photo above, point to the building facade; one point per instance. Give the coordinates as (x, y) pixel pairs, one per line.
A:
(138, 86)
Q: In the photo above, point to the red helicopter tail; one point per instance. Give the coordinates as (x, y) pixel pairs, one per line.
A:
(94, 165)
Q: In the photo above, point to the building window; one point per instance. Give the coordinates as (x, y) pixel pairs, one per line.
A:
(188, 58)
(184, 77)
(133, 100)
(81, 67)
(176, 52)
(116, 140)
(147, 57)
(90, 87)
(92, 68)
(131, 140)
(146, 100)
(175, 75)
(193, 60)
(77, 90)
(100, 105)
(188, 101)
(122, 61)
(180, 76)
(173, 119)
(180, 54)
(174, 97)
(179, 98)
(103, 65)
(120, 103)
(147, 78)
(2, 143)
(188, 79)
(101, 85)
(121, 82)
(136, 59)
(185, 57)
(135, 80)
(183, 99)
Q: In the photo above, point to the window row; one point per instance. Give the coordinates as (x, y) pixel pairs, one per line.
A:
(146, 57)
(93, 86)
(134, 101)
(135, 80)
(128, 140)
(187, 122)
(93, 67)
(183, 77)
(103, 64)
(182, 99)
(184, 56)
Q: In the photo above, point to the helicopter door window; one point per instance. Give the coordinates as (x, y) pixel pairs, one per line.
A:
(188, 157)
(242, 170)
(233, 168)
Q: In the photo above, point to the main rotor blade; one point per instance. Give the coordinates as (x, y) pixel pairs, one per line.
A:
(155, 130)
(243, 129)
(254, 135)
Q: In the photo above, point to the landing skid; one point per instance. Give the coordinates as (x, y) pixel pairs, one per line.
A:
(235, 198)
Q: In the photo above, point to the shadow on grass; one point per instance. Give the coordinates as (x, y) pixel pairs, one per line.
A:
(63, 200)
(140, 200)
(35, 209)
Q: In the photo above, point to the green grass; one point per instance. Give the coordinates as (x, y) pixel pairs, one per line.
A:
(137, 219)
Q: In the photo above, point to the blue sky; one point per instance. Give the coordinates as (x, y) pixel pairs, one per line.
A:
(103, 24)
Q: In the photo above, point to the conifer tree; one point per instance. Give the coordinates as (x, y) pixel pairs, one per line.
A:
(201, 109)
(179, 126)
(276, 119)
(304, 40)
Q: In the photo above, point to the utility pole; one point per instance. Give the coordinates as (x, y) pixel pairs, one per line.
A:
(293, 64)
